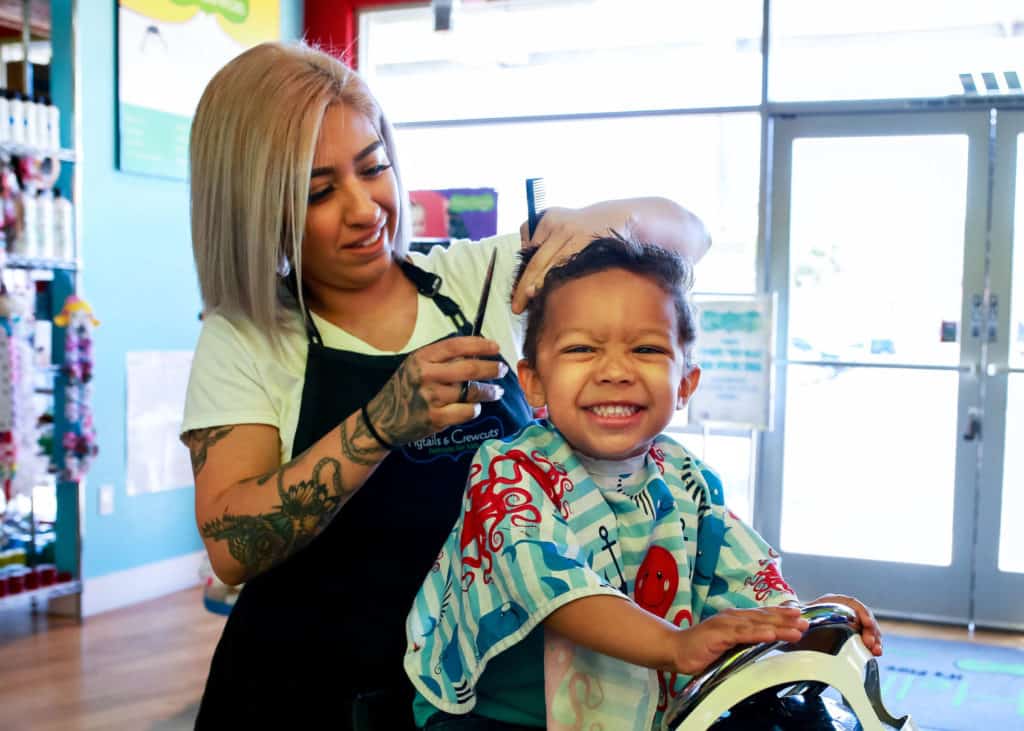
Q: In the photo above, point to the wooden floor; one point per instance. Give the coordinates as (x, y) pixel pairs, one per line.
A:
(144, 667)
(137, 668)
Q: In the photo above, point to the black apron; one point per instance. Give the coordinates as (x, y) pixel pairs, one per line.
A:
(318, 641)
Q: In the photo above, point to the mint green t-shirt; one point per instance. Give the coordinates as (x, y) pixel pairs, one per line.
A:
(511, 688)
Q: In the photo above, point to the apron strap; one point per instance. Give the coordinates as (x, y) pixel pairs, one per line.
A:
(292, 283)
(427, 283)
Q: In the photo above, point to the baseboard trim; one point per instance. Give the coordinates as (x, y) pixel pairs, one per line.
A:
(123, 588)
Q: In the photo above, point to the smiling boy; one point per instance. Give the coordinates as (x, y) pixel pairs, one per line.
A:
(595, 566)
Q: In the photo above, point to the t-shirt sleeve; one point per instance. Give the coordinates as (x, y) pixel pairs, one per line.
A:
(225, 386)
(747, 574)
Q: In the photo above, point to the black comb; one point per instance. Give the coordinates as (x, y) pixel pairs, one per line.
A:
(536, 202)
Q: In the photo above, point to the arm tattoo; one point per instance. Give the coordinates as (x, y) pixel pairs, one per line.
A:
(259, 542)
(200, 441)
(399, 412)
(364, 455)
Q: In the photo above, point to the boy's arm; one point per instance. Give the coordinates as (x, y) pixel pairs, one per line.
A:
(617, 627)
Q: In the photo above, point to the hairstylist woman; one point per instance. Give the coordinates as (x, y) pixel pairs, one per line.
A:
(329, 442)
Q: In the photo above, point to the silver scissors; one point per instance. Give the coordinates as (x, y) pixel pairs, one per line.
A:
(481, 310)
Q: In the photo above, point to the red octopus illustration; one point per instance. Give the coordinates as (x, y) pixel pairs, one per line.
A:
(490, 504)
(658, 455)
(553, 480)
(767, 580)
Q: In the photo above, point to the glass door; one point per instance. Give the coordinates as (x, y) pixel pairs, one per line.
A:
(1000, 562)
(869, 480)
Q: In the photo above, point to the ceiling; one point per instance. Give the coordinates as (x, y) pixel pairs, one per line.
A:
(10, 19)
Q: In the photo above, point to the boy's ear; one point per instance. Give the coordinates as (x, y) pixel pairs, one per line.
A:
(688, 385)
(531, 384)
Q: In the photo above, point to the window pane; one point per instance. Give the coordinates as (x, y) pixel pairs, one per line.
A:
(1011, 540)
(1011, 537)
(709, 163)
(876, 260)
(1017, 292)
(505, 58)
(730, 457)
(854, 485)
(879, 49)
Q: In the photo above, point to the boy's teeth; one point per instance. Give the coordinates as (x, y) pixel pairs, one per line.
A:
(614, 410)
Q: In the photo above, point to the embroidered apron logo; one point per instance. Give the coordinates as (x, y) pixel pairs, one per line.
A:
(454, 441)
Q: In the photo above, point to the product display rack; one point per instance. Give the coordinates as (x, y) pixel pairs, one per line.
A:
(55, 280)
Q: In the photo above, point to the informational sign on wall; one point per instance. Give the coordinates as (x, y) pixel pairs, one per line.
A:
(167, 52)
(157, 381)
(734, 350)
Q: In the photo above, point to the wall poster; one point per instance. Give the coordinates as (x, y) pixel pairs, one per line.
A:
(156, 385)
(734, 351)
(167, 52)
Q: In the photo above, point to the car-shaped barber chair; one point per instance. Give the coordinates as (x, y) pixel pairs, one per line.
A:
(778, 686)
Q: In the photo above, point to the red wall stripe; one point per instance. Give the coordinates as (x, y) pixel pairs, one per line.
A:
(332, 24)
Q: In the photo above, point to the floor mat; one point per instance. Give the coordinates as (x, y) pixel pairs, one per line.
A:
(953, 686)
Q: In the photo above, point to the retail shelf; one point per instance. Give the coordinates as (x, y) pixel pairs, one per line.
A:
(64, 588)
(11, 148)
(16, 261)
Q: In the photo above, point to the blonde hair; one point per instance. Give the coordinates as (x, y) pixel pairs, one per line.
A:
(251, 154)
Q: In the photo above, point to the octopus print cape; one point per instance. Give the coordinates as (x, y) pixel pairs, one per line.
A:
(538, 531)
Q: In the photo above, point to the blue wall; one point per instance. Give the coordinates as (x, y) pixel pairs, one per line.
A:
(139, 278)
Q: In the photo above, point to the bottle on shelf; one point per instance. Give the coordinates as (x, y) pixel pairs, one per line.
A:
(52, 126)
(31, 115)
(27, 241)
(64, 227)
(42, 136)
(5, 113)
(46, 248)
(16, 118)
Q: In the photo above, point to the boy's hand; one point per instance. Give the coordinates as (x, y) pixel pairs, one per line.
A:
(702, 644)
(869, 632)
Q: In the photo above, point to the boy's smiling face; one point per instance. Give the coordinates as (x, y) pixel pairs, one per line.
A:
(609, 365)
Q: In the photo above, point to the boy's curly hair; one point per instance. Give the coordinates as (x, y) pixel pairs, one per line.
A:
(671, 272)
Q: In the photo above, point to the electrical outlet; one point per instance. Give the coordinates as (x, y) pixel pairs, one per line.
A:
(106, 499)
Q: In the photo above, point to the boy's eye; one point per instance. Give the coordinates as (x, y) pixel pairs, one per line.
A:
(578, 349)
(650, 350)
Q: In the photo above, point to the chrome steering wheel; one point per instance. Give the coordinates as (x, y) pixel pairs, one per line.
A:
(831, 627)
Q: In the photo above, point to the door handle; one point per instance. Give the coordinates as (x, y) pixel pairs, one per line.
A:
(973, 431)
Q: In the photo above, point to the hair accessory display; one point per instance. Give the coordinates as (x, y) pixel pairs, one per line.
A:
(7, 386)
(20, 411)
(79, 440)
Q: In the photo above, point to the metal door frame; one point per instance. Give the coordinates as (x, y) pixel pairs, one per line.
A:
(993, 589)
(893, 589)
